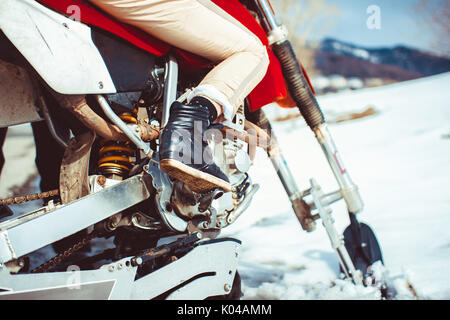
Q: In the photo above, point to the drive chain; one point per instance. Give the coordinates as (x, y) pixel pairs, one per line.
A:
(30, 197)
(63, 256)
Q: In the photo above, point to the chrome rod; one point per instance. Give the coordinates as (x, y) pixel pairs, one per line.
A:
(336, 239)
(170, 88)
(243, 205)
(276, 32)
(25, 235)
(270, 21)
(301, 209)
(348, 189)
(48, 120)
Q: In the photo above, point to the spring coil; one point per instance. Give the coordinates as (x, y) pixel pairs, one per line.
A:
(116, 157)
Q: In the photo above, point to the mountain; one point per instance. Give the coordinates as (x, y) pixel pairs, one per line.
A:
(398, 63)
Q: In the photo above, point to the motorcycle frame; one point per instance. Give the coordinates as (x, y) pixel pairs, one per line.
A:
(11, 246)
(205, 271)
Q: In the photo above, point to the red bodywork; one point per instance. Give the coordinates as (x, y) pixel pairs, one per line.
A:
(272, 88)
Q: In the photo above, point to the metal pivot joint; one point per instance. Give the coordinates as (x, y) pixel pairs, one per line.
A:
(320, 203)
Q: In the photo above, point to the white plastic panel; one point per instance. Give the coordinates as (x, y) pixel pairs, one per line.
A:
(61, 50)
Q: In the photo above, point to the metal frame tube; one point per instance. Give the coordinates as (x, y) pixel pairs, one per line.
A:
(104, 105)
(28, 233)
(170, 88)
(49, 122)
(348, 189)
(270, 21)
(276, 32)
(336, 239)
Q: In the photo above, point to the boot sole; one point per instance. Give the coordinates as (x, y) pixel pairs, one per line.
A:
(197, 180)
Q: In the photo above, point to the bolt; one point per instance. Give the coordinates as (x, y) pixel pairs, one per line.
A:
(120, 266)
(227, 287)
(111, 268)
(205, 225)
(101, 180)
(199, 235)
(138, 261)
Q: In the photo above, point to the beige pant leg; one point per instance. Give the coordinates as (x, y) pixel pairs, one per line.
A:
(201, 27)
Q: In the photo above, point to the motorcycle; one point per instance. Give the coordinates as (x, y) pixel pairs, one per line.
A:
(113, 86)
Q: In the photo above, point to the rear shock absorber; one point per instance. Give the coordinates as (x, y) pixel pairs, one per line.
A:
(116, 158)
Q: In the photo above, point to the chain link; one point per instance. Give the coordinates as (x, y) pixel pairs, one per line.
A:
(61, 257)
(30, 197)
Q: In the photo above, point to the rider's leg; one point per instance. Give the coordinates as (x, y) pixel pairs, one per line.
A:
(202, 28)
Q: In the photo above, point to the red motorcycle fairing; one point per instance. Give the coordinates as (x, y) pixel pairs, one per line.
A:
(272, 88)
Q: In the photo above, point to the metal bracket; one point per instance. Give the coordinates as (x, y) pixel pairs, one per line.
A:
(163, 187)
(321, 202)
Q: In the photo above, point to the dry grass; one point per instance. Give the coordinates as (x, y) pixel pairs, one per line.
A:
(368, 112)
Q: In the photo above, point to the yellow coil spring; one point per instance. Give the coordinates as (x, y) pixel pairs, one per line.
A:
(116, 157)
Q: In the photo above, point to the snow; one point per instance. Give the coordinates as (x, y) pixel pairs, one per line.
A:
(400, 160)
(19, 153)
(357, 52)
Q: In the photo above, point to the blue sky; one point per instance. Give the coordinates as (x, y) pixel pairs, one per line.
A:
(400, 24)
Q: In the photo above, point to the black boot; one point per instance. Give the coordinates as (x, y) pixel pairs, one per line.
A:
(183, 154)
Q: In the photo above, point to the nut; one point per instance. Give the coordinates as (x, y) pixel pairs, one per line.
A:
(101, 180)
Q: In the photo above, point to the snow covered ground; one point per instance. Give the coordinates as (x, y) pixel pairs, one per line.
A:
(399, 157)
